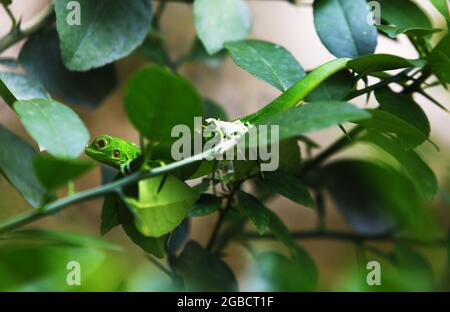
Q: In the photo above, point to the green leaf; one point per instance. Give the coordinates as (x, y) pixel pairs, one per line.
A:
(290, 156)
(442, 7)
(415, 268)
(54, 126)
(267, 61)
(110, 216)
(404, 107)
(16, 87)
(419, 172)
(203, 271)
(16, 164)
(153, 48)
(389, 123)
(254, 210)
(381, 62)
(217, 22)
(55, 172)
(80, 88)
(151, 245)
(277, 273)
(159, 211)
(282, 233)
(66, 238)
(156, 100)
(394, 31)
(109, 30)
(313, 117)
(373, 206)
(343, 28)
(6, 2)
(42, 267)
(403, 13)
(205, 205)
(439, 59)
(289, 186)
(214, 110)
(335, 88)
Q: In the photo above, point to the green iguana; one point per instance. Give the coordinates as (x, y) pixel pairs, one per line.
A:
(113, 151)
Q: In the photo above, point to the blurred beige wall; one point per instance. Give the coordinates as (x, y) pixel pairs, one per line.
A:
(240, 93)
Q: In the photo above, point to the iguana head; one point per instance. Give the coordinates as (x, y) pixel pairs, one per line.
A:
(112, 151)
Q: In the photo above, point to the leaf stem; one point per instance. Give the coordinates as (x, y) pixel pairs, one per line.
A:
(219, 222)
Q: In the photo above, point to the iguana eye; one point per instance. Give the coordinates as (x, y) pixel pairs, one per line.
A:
(116, 153)
(101, 143)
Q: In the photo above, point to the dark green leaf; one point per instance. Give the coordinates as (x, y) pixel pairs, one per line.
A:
(109, 30)
(313, 117)
(254, 210)
(439, 59)
(54, 172)
(156, 100)
(282, 233)
(205, 205)
(218, 21)
(415, 268)
(153, 48)
(335, 88)
(404, 107)
(16, 163)
(403, 13)
(420, 173)
(110, 215)
(389, 123)
(203, 271)
(89, 88)
(372, 206)
(54, 126)
(381, 62)
(281, 274)
(289, 186)
(290, 158)
(214, 110)
(16, 87)
(343, 28)
(394, 31)
(267, 61)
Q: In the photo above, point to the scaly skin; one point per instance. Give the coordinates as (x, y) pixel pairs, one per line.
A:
(112, 151)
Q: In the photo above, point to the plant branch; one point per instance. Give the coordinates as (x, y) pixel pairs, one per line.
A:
(219, 222)
(99, 191)
(352, 237)
(19, 32)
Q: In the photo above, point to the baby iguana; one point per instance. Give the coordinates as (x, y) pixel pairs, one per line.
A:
(113, 151)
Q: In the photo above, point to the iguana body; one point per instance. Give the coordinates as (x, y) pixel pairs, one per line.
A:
(112, 151)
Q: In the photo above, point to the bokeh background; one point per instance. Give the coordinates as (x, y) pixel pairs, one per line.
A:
(239, 93)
